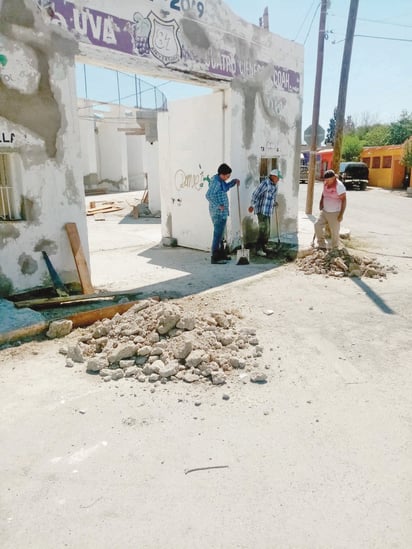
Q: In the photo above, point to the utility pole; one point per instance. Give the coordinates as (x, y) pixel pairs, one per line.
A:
(316, 106)
(343, 85)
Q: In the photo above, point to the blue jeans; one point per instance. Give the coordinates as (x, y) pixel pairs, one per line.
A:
(219, 225)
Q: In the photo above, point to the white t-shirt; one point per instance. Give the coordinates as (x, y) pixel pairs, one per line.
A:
(331, 196)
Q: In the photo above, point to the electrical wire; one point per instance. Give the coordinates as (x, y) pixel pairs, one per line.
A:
(375, 37)
(383, 38)
(305, 19)
(311, 23)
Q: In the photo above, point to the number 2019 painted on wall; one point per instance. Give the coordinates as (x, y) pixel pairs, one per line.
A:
(186, 5)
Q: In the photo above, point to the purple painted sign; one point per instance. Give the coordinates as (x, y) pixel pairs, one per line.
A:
(149, 36)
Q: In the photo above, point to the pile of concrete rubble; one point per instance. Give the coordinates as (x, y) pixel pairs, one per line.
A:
(340, 263)
(161, 341)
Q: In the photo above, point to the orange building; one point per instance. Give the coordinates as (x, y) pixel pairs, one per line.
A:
(384, 163)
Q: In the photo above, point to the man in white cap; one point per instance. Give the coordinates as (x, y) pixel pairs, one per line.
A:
(263, 202)
(332, 207)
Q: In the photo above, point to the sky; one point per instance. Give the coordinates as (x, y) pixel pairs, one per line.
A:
(380, 76)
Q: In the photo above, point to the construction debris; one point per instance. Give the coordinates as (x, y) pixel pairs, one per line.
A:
(104, 207)
(161, 342)
(340, 263)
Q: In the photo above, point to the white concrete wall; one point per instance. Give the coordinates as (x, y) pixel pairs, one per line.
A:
(212, 46)
(38, 105)
(112, 159)
(112, 151)
(152, 168)
(135, 144)
(190, 149)
(88, 142)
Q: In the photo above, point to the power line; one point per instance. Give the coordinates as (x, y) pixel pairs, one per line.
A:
(383, 38)
(311, 23)
(305, 19)
(376, 37)
(385, 23)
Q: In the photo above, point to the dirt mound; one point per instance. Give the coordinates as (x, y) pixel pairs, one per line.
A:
(158, 342)
(340, 263)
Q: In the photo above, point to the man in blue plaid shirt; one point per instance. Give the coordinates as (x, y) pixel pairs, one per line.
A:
(219, 208)
(263, 202)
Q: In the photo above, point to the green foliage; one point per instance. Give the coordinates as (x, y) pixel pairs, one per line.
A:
(331, 131)
(349, 128)
(351, 148)
(374, 136)
(407, 153)
(400, 130)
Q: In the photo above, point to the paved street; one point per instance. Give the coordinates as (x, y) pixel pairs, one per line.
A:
(319, 457)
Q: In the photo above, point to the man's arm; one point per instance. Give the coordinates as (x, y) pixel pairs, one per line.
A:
(342, 206)
(254, 198)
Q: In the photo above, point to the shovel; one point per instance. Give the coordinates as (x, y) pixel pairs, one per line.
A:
(60, 288)
(242, 254)
(278, 245)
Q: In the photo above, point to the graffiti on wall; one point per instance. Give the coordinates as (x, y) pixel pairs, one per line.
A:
(153, 36)
(194, 181)
(7, 137)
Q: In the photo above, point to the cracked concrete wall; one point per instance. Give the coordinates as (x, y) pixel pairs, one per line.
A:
(202, 42)
(205, 42)
(38, 107)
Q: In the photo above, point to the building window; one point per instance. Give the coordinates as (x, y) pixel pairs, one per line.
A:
(9, 194)
(376, 162)
(367, 161)
(266, 166)
(387, 162)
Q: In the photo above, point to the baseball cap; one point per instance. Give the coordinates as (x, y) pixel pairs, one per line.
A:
(276, 172)
(328, 174)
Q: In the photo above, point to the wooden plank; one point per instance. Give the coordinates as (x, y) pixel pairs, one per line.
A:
(44, 302)
(79, 259)
(145, 197)
(103, 209)
(85, 318)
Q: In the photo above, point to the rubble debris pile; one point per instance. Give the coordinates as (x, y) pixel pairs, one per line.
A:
(158, 342)
(340, 263)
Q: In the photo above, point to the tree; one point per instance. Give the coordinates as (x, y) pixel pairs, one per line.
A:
(351, 148)
(330, 133)
(407, 153)
(349, 126)
(374, 136)
(400, 130)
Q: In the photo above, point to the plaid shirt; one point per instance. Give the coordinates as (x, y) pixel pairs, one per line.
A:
(217, 196)
(264, 197)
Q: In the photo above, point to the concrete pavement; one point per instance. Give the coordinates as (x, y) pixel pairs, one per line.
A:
(126, 255)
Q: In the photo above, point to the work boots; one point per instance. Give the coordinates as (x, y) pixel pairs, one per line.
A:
(218, 259)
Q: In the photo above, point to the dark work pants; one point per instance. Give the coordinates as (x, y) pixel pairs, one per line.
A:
(264, 231)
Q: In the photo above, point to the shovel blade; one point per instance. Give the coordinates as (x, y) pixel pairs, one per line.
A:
(242, 253)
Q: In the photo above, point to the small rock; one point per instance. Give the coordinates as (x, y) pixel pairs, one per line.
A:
(75, 353)
(190, 378)
(258, 377)
(117, 374)
(59, 328)
(218, 378)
